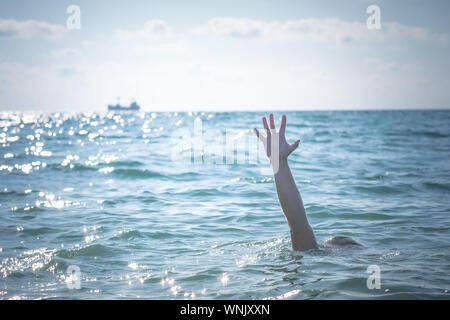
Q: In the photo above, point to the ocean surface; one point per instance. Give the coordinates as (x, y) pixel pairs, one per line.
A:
(180, 206)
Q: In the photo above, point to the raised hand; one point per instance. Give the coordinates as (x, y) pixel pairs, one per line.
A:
(274, 142)
(277, 149)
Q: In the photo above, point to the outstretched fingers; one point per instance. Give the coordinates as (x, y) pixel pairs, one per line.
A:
(260, 136)
(266, 127)
(283, 125)
(272, 121)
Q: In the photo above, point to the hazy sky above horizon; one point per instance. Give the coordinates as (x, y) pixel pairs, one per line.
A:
(224, 55)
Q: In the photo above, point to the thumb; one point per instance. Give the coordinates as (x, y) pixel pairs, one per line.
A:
(293, 146)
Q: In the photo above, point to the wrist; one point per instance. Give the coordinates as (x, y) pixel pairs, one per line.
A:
(281, 165)
(281, 162)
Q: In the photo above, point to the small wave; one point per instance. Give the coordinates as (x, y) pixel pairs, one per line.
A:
(355, 216)
(13, 192)
(128, 234)
(311, 169)
(324, 212)
(198, 192)
(184, 176)
(202, 275)
(437, 186)
(76, 167)
(39, 231)
(56, 265)
(126, 163)
(204, 192)
(165, 235)
(146, 199)
(318, 210)
(28, 209)
(322, 140)
(134, 234)
(26, 263)
(433, 134)
(322, 133)
(230, 229)
(265, 180)
(92, 250)
(375, 177)
(432, 229)
(378, 189)
(424, 133)
(367, 216)
(136, 173)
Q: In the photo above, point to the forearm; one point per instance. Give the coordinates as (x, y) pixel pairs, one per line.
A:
(301, 232)
(292, 205)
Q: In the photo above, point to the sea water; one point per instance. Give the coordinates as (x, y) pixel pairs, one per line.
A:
(181, 206)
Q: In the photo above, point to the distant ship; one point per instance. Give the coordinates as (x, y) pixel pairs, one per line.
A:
(133, 107)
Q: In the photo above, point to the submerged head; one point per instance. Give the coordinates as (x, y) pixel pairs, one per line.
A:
(342, 241)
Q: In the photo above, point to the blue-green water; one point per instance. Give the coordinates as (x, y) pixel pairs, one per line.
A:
(105, 193)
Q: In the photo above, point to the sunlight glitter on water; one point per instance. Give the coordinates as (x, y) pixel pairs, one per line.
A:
(89, 190)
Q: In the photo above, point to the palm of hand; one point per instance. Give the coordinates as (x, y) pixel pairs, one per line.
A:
(274, 142)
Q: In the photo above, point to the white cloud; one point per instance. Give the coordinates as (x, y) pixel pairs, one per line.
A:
(376, 64)
(30, 29)
(65, 52)
(234, 27)
(184, 84)
(158, 48)
(152, 30)
(197, 73)
(312, 29)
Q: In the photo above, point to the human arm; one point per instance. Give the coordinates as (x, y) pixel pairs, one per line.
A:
(278, 150)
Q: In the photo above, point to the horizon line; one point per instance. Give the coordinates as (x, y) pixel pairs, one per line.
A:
(233, 110)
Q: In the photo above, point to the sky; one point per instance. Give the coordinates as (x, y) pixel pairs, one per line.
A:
(224, 55)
